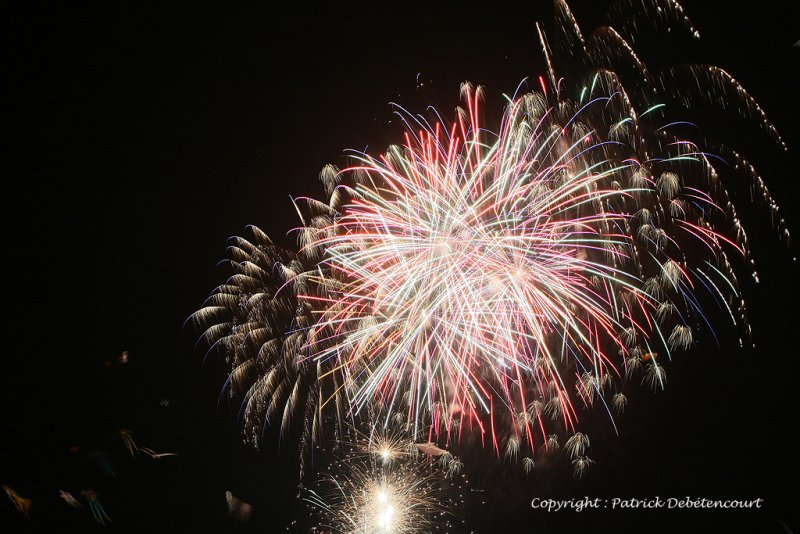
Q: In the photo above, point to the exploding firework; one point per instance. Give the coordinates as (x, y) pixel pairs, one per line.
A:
(384, 485)
(496, 283)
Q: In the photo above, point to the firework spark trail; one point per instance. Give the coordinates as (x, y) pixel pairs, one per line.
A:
(496, 283)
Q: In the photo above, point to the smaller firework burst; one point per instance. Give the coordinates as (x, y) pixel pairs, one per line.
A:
(383, 484)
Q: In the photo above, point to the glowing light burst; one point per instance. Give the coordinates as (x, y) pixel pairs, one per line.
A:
(364, 494)
(496, 283)
(472, 268)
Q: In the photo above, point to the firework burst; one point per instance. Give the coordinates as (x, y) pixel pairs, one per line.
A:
(496, 283)
(384, 485)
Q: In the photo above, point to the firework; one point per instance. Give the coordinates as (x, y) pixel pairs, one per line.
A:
(383, 485)
(497, 283)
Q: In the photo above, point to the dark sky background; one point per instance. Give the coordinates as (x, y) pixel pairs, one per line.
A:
(140, 138)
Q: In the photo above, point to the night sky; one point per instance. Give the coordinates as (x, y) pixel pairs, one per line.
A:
(140, 139)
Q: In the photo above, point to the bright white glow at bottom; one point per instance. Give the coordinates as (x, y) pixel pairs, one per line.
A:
(385, 518)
